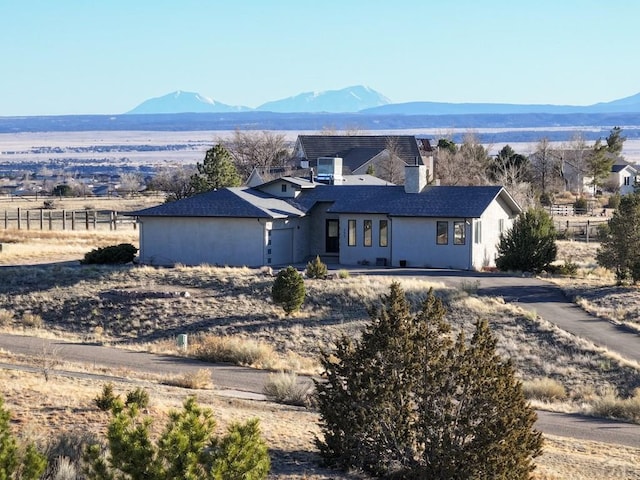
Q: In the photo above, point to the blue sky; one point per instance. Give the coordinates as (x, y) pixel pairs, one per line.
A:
(106, 57)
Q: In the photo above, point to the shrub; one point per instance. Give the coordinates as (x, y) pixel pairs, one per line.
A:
(138, 397)
(614, 201)
(106, 400)
(544, 389)
(288, 290)
(343, 274)
(316, 269)
(198, 379)
(611, 406)
(17, 461)
(529, 246)
(602, 231)
(283, 387)
(31, 320)
(580, 205)
(6, 317)
(114, 254)
(239, 351)
(187, 448)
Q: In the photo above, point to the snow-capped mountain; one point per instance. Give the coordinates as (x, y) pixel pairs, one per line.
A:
(350, 99)
(184, 102)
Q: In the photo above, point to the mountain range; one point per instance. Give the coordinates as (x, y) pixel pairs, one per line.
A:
(365, 100)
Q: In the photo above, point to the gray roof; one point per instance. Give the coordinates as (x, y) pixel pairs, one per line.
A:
(436, 201)
(237, 202)
(315, 146)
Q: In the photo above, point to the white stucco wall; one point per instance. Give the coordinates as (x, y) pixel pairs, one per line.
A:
(414, 241)
(194, 241)
(359, 254)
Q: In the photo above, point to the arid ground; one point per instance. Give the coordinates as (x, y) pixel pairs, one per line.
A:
(44, 291)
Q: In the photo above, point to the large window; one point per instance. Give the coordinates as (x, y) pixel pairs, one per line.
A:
(384, 233)
(442, 233)
(458, 233)
(368, 233)
(351, 233)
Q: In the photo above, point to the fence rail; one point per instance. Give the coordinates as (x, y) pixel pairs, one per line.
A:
(587, 230)
(43, 219)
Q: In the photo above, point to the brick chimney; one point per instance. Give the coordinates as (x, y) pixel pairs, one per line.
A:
(415, 178)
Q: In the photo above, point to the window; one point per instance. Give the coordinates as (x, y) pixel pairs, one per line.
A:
(284, 187)
(501, 225)
(627, 180)
(368, 233)
(384, 233)
(442, 233)
(478, 231)
(458, 233)
(351, 233)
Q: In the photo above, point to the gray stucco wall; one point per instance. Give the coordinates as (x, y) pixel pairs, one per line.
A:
(484, 253)
(414, 241)
(195, 241)
(358, 254)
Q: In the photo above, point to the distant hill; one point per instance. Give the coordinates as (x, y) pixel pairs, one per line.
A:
(346, 100)
(624, 105)
(184, 102)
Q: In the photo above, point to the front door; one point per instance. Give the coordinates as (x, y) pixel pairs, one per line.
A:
(332, 237)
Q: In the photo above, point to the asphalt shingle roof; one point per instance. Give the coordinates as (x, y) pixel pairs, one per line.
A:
(238, 202)
(315, 146)
(437, 201)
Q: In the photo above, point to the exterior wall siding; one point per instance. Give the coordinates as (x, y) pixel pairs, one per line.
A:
(317, 218)
(195, 241)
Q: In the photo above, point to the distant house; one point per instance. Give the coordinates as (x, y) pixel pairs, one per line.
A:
(623, 177)
(290, 220)
(360, 153)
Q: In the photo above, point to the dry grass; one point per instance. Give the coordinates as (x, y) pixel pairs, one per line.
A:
(546, 389)
(200, 379)
(284, 387)
(146, 307)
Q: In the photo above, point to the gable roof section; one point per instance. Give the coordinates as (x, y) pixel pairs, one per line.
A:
(437, 201)
(239, 202)
(315, 146)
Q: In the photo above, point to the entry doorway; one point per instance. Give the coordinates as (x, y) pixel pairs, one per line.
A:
(332, 236)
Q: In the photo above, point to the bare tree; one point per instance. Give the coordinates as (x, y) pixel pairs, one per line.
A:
(251, 149)
(467, 164)
(546, 167)
(130, 182)
(573, 162)
(391, 166)
(175, 182)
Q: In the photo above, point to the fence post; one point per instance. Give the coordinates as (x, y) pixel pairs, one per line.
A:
(86, 219)
(50, 221)
(41, 219)
(64, 219)
(115, 220)
(19, 219)
(587, 231)
(28, 220)
(110, 219)
(6, 219)
(73, 219)
(95, 219)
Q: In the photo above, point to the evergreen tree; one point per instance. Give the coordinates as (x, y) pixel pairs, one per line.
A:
(216, 171)
(599, 165)
(620, 250)
(288, 290)
(530, 244)
(615, 141)
(187, 449)
(17, 462)
(409, 401)
(316, 268)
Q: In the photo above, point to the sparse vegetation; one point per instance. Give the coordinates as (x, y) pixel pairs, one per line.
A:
(107, 399)
(546, 389)
(239, 351)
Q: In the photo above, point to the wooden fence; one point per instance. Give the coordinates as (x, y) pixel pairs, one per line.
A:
(586, 230)
(44, 219)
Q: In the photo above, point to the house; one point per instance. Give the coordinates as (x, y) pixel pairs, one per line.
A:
(623, 177)
(290, 220)
(360, 153)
